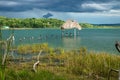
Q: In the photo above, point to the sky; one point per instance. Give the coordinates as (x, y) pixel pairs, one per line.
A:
(83, 11)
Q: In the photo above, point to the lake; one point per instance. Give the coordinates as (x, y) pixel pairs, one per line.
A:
(93, 39)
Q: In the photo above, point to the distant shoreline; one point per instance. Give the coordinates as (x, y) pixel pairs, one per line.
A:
(16, 28)
(58, 28)
(26, 28)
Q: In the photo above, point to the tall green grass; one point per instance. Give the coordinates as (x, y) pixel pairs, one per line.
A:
(34, 48)
(27, 75)
(58, 64)
(93, 64)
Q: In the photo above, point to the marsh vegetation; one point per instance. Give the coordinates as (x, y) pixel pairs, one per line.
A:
(58, 64)
(55, 63)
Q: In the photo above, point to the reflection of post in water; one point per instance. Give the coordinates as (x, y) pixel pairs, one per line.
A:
(71, 42)
(62, 33)
(74, 32)
(70, 33)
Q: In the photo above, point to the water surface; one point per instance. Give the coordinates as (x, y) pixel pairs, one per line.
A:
(92, 39)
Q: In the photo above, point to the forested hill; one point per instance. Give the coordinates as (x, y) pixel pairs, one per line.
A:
(45, 23)
(30, 22)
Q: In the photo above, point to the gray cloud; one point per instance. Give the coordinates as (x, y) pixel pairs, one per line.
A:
(60, 5)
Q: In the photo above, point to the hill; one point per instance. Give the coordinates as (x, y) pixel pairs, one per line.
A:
(117, 24)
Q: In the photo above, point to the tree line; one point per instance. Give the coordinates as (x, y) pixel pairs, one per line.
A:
(30, 22)
(36, 23)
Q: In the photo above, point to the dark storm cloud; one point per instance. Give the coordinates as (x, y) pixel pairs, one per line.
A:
(60, 5)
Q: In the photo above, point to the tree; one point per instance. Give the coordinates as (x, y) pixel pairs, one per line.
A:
(86, 25)
(30, 22)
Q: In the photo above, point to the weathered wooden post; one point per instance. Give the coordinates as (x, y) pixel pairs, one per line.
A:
(0, 44)
(117, 45)
(37, 62)
(0, 34)
(113, 70)
(119, 75)
(75, 33)
(7, 44)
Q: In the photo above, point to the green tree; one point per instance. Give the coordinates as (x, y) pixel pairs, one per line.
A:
(30, 22)
(86, 25)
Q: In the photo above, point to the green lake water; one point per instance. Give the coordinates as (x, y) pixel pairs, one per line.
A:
(93, 39)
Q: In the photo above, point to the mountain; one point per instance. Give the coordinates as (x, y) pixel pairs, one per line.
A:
(47, 15)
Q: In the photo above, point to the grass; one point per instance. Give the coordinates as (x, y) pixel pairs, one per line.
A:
(27, 75)
(57, 64)
(35, 48)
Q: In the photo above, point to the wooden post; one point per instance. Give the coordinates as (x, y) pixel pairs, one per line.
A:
(119, 75)
(5, 53)
(74, 33)
(36, 63)
(0, 34)
(0, 43)
(113, 70)
(7, 44)
(62, 33)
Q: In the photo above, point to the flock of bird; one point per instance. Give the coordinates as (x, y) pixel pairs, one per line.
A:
(45, 37)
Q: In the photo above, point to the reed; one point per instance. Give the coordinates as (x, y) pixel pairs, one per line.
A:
(27, 75)
(75, 64)
(92, 64)
(34, 48)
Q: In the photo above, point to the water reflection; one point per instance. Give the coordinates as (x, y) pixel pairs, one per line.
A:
(71, 42)
(92, 39)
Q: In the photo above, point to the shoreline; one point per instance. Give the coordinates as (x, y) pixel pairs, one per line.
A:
(15, 28)
(54, 28)
(57, 28)
(27, 28)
